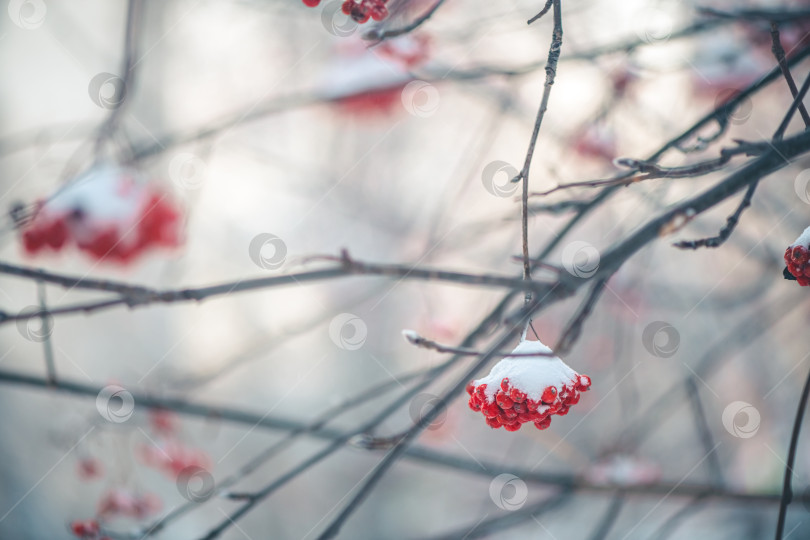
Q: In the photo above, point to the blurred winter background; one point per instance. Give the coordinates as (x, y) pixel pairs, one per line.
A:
(233, 109)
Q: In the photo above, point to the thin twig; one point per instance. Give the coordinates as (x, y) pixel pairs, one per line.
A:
(47, 346)
(725, 232)
(706, 438)
(542, 12)
(779, 54)
(574, 328)
(408, 28)
(787, 489)
(780, 131)
(609, 518)
(415, 339)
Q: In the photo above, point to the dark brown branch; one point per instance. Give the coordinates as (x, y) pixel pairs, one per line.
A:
(725, 232)
(133, 22)
(646, 170)
(574, 328)
(506, 521)
(138, 296)
(609, 518)
(787, 488)
(542, 12)
(780, 131)
(419, 341)
(779, 54)
(417, 453)
(377, 35)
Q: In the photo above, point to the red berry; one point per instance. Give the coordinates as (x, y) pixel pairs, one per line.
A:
(512, 427)
(544, 423)
(493, 423)
(505, 385)
(517, 396)
(470, 387)
(490, 410)
(796, 259)
(503, 400)
(85, 529)
(311, 3)
(549, 394)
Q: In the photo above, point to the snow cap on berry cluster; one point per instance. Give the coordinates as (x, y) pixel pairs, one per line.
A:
(529, 374)
(109, 212)
(530, 385)
(797, 259)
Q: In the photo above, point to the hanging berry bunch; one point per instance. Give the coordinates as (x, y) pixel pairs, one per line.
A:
(109, 213)
(797, 257)
(372, 79)
(526, 388)
(359, 10)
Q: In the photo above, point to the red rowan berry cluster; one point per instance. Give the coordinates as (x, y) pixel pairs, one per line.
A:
(359, 10)
(522, 389)
(107, 213)
(90, 468)
(87, 529)
(123, 503)
(797, 256)
(172, 457)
